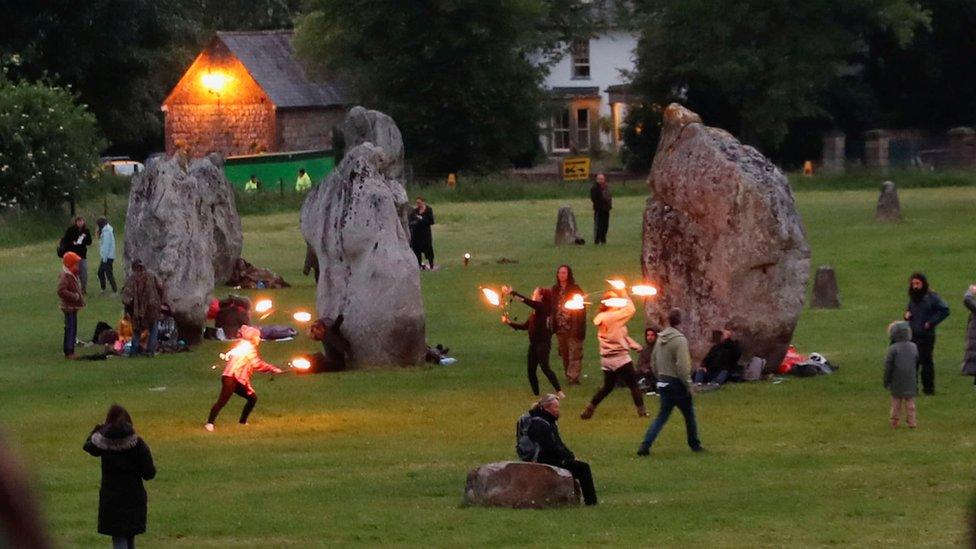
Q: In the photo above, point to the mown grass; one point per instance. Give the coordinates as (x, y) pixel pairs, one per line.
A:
(380, 457)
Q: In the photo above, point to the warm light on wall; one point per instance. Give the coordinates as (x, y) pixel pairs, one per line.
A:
(215, 82)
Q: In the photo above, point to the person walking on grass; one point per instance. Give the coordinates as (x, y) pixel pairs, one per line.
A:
(71, 300)
(602, 201)
(569, 325)
(106, 251)
(924, 312)
(540, 337)
(540, 427)
(671, 363)
(969, 358)
(242, 362)
(421, 220)
(76, 239)
(143, 297)
(126, 463)
(615, 347)
(901, 373)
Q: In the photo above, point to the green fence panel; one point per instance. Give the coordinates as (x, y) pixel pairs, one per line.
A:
(275, 167)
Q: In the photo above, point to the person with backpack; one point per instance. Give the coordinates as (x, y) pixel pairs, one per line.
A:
(615, 347)
(924, 312)
(242, 362)
(901, 373)
(77, 238)
(71, 300)
(540, 336)
(538, 440)
(671, 362)
(126, 463)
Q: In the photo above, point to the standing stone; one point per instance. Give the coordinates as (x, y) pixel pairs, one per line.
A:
(723, 240)
(825, 292)
(367, 271)
(521, 485)
(889, 209)
(182, 223)
(566, 232)
(366, 126)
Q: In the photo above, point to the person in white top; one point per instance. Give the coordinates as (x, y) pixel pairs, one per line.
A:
(106, 249)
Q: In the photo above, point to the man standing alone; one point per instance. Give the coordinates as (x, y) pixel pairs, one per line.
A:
(602, 204)
(106, 248)
(924, 312)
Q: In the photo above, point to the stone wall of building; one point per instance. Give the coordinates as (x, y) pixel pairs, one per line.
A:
(227, 129)
(307, 129)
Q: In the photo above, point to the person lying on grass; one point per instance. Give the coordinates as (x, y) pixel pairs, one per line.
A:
(242, 361)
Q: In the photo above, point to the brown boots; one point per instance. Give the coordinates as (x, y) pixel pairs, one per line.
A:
(641, 411)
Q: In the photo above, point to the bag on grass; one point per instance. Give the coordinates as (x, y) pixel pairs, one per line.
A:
(526, 448)
(753, 371)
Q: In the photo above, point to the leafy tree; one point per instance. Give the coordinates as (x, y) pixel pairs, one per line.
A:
(50, 144)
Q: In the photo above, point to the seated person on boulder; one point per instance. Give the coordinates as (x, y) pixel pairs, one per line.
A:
(721, 361)
(543, 431)
(335, 345)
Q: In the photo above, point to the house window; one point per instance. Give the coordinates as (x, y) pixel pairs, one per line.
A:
(580, 53)
(583, 129)
(560, 131)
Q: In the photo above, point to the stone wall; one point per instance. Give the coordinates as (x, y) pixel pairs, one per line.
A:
(227, 129)
(307, 129)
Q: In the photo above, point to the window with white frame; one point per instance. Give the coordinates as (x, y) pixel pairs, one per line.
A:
(580, 58)
(583, 129)
(560, 131)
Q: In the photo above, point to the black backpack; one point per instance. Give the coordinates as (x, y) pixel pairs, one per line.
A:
(526, 448)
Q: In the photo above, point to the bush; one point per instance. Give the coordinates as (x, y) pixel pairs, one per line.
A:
(49, 144)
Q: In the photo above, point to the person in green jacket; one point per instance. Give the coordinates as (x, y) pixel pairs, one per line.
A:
(671, 363)
(304, 182)
(901, 373)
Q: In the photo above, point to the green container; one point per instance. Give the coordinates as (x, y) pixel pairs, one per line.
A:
(273, 168)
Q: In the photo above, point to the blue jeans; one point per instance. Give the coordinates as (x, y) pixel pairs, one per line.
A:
(674, 394)
(709, 376)
(151, 342)
(70, 332)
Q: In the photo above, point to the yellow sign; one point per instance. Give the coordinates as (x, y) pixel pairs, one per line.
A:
(576, 169)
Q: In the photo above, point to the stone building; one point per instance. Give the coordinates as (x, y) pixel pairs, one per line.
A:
(247, 94)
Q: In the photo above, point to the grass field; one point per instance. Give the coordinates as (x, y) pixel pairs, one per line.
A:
(380, 457)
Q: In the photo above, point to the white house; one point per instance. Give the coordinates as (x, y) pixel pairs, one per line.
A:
(589, 94)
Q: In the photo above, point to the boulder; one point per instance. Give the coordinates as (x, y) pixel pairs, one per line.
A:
(825, 292)
(521, 485)
(723, 240)
(182, 223)
(367, 271)
(889, 209)
(566, 232)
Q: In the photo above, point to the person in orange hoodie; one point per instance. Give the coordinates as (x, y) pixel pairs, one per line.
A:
(242, 361)
(71, 300)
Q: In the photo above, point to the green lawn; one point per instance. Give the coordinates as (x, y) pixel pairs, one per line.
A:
(380, 457)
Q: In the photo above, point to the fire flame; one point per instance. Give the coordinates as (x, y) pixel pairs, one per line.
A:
(616, 302)
(302, 316)
(644, 290)
(242, 348)
(263, 306)
(300, 363)
(575, 303)
(492, 297)
(617, 284)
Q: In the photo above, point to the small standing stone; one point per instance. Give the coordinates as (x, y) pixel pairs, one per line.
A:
(825, 292)
(566, 233)
(889, 209)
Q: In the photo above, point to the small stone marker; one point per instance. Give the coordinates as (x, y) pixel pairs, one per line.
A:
(521, 485)
(889, 209)
(825, 292)
(566, 233)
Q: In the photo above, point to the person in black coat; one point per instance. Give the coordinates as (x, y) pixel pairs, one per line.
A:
(540, 336)
(552, 451)
(126, 462)
(421, 240)
(335, 345)
(924, 312)
(602, 204)
(76, 239)
(721, 361)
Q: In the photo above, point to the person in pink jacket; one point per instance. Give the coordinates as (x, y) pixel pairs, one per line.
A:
(615, 347)
(242, 361)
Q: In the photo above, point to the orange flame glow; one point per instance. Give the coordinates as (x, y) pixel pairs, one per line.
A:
(644, 290)
(215, 82)
(263, 306)
(300, 363)
(242, 348)
(575, 303)
(302, 316)
(492, 297)
(616, 302)
(617, 284)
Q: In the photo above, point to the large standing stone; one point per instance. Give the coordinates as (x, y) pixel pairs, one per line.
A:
(825, 292)
(367, 271)
(889, 209)
(367, 126)
(521, 485)
(182, 223)
(722, 239)
(566, 232)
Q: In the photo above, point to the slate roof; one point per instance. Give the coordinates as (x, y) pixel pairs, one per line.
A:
(270, 59)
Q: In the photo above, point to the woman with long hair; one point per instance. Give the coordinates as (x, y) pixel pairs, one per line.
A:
(568, 325)
(540, 336)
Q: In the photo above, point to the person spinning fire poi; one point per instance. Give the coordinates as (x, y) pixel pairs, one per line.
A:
(242, 361)
(615, 347)
(540, 336)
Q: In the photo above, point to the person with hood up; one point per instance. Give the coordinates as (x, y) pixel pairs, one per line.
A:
(568, 325)
(544, 431)
(924, 312)
(242, 362)
(671, 363)
(143, 297)
(126, 462)
(540, 337)
(71, 299)
(615, 347)
(901, 373)
(969, 359)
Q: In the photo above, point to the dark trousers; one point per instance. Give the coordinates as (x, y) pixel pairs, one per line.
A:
(231, 386)
(601, 222)
(718, 377)
(674, 394)
(539, 358)
(926, 344)
(581, 472)
(70, 332)
(123, 542)
(421, 251)
(610, 377)
(105, 273)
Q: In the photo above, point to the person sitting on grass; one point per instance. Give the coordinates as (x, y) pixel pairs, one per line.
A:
(242, 361)
(71, 299)
(540, 337)
(720, 362)
(544, 432)
(335, 345)
(901, 373)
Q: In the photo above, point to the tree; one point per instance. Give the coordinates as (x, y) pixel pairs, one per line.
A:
(755, 67)
(50, 144)
(458, 76)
